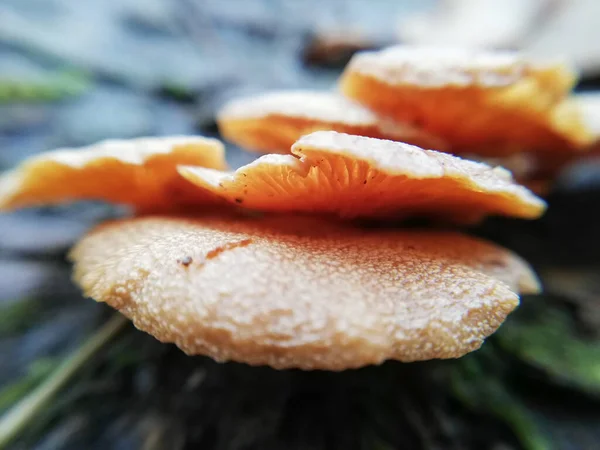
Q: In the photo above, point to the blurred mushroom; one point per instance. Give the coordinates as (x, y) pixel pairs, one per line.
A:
(353, 176)
(573, 170)
(137, 172)
(272, 122)
(295, 292)
(478, 102)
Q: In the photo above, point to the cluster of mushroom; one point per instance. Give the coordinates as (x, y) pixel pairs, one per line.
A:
(284, 261)
(496, 107)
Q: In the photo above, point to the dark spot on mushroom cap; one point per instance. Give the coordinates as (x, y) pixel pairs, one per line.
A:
(239, 200)
(186, 261)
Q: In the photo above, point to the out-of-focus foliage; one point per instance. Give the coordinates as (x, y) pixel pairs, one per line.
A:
(55, 87)
(549, 342)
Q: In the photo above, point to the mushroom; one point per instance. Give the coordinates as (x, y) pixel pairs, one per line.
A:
(291, 291)
(478, 102)
(538, 170)
(298, 292)
(235, 268)
(138, 172)
(354, 176)
(273, 121)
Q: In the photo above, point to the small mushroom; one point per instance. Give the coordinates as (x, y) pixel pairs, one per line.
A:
(538, 171)
(298, 292)
(474, 100)
(138, 172)
(353, 176)
(272, 122)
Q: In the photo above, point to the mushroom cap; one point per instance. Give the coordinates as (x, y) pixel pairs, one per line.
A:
(138, 172)
(437, 67)
(273, 121)
(472, 99)
(353, 176)
(297, 292)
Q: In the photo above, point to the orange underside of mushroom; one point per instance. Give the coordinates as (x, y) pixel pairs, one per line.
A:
(363, 192)
(148, 185)
(473, 119)
(336, 182)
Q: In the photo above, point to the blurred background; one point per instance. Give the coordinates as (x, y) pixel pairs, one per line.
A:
(73, 73)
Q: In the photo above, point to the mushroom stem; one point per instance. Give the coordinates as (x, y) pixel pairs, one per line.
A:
(17, 418)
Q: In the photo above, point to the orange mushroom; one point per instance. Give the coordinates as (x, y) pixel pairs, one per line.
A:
(353, 176)
(299, 292)
(272, 122)
(290, 291)
(487, 103)
(138, 172)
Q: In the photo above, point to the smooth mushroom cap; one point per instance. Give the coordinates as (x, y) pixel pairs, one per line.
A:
(354, 176)
(297, 292)
(273, 121)
(137, 172)
(473, 100)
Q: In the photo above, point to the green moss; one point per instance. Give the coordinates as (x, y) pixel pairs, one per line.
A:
(57, 87)
(31, 405)
(37, 371)
(482, 390)
(19, 315)
(549, 342)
